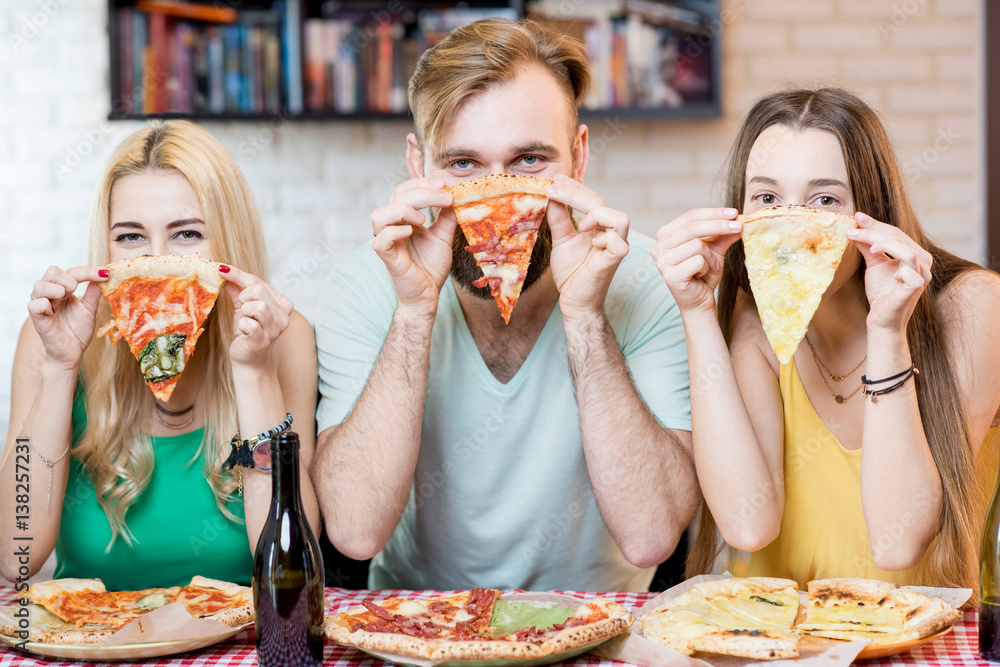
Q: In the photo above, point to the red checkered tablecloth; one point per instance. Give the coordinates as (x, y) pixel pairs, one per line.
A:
(955, 648)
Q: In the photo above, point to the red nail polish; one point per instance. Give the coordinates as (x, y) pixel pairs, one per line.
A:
(223, 268)
(104, 273)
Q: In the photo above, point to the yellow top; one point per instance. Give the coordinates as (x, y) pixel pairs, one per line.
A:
(823, 532)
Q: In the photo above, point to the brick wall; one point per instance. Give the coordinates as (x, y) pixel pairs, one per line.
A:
(917, 61)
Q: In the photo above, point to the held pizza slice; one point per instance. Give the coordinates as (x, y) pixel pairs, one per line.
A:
(159, 305)
(500, 216)
(792, 253)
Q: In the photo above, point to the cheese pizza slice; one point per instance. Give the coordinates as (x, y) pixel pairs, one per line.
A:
(500, 216)
(746, 617)
(159, 305)
(792, 253)
(852, 609)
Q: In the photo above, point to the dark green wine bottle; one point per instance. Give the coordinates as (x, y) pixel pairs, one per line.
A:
(989, 583)
(288, 571)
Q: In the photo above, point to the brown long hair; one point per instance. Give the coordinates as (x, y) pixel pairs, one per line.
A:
(878, 189)
(116, 454)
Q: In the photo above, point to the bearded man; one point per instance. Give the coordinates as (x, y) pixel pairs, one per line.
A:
(553, 452)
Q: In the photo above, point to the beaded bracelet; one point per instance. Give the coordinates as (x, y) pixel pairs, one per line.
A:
(875, 393)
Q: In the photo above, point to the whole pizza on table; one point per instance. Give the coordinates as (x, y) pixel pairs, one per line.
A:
(500, 216)
(761, 617)
(460, 627)
(83, 611)
(159, 305)
(792, 254)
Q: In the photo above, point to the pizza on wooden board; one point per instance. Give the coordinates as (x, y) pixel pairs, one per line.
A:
(159, 305)
(871, 609)
(83, 611)
(792, 253)
(500, 216)
(458, 627)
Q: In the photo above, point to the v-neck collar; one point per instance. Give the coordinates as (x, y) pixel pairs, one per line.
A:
(476, 358)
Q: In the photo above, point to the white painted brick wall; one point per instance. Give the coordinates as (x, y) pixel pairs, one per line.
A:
(918, 61)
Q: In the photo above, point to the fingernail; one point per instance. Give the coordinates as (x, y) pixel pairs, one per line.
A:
(731, 211)
(437, 182)
(561, 178)
(553, 189)
(223, 268)
(735, 225)
(104, 273)
(852, 233)
(861, 217)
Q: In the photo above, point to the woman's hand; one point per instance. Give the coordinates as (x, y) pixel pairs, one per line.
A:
(261, 314)
(63, 321)
(689, 252)
(898, 270)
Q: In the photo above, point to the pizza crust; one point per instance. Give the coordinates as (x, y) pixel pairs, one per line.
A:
(232, 617)
(163, 266)
(754, 644)
(496, 185)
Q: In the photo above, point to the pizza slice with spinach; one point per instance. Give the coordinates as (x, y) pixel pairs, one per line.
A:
(159, 305)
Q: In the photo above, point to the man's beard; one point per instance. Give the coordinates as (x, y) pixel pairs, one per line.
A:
(465, 270)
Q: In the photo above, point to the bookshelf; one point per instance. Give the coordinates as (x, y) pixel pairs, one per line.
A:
(328, 60)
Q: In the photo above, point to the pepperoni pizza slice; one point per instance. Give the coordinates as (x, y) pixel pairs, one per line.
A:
(159, 305)
(500, 216)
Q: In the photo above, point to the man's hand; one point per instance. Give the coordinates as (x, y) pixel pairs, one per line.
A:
(418, 258)
(584, 260)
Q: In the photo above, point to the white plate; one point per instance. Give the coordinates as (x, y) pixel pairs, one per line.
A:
(122, 651)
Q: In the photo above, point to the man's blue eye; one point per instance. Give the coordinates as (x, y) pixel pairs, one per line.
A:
(530, 159)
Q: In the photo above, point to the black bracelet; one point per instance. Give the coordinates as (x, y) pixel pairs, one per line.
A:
(913, 367)
(242, 450)
(874, 393)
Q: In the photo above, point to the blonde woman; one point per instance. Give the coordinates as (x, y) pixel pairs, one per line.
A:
(797, 466)
(124, 487)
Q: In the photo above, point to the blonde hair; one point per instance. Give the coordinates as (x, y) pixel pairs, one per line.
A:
(877, 187)
(479, 55)
(116, 454)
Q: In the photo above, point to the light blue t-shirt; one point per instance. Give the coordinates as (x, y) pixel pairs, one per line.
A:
(501, 497)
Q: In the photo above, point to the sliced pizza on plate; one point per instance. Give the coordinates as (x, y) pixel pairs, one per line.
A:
(746, 617)
(792, 253)
(83, 611)
(159, 305)
(876, 610)
(461, 627)
(500, 216)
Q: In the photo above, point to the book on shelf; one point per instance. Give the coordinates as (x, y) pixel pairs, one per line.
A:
(171, 65)
(642, 53)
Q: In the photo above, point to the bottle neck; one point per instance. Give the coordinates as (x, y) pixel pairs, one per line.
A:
(285, 475)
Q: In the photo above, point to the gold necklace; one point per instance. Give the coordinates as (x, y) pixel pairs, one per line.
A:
(836, 377)
(171, 426)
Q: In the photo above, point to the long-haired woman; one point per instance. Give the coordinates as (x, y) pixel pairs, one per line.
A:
(123, 486)
(797, 466)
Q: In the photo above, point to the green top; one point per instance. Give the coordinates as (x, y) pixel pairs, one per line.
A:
(179, 530)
